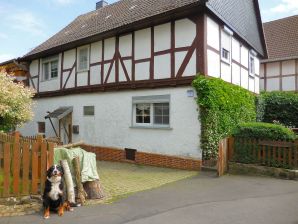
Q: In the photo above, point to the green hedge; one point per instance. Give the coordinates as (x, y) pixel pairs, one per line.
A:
(223, 107)
(281, 107)
(259, 130)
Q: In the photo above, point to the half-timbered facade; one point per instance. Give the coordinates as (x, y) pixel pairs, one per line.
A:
(280, 71)
(121, 75)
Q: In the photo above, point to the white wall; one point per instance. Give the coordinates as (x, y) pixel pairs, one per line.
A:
(111, 125)
(279, 75)
(236, 69)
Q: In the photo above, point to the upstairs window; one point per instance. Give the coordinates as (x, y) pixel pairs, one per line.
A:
(50, 68)
(83, 59)
(251, 65)
(225, 54)
(89, 111)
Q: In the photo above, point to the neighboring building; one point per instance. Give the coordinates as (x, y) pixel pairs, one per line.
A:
(280, 70)
(19, 71)
(121, 75)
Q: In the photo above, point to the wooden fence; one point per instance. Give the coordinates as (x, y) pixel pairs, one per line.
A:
(269, 153)
(23, 164)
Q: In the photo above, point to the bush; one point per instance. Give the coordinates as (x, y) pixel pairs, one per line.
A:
(281, 107)
(259, 130)
(223, 106)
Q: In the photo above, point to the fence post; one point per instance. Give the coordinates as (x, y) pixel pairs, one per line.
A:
(231, 141)
(16, 136)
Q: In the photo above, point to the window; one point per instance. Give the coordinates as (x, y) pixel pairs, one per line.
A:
(83, 59)
(225, 55)
(41, 127)
(252, 65)
(151, 111)
(89, 111)
(50, 68)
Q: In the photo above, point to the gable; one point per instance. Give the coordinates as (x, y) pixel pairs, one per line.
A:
(243, 16)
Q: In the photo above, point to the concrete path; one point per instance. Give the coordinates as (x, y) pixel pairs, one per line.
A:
(203, 199)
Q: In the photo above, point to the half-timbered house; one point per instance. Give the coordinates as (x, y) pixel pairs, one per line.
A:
(121, 75)
(279, 72)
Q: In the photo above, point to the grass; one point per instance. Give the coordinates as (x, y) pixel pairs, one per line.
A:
(120, 180)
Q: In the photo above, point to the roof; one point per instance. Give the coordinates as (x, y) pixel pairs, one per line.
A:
(243, 17)
(282, 38)
(110, 17)
(59, 113)
(87, 28)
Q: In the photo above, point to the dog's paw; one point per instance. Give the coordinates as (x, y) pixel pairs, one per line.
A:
(46, 217)
(71, 209)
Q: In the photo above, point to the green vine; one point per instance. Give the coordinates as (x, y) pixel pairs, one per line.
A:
(222, 107)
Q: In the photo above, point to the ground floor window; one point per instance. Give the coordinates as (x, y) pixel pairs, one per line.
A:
(151, 111)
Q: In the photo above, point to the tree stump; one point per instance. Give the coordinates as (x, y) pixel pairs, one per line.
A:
(93, 189)
(81, 193)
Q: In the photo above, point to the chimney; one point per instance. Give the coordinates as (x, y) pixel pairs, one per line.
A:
(101, 4)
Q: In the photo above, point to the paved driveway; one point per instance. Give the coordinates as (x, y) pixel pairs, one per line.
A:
(202, 199)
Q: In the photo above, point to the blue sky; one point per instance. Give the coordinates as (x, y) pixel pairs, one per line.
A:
(24, 24)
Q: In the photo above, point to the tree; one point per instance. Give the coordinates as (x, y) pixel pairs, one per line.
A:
(15, 103)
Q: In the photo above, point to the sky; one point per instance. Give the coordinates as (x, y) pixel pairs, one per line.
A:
(24, 24)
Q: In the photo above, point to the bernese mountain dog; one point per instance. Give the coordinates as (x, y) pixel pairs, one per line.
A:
(54, 192)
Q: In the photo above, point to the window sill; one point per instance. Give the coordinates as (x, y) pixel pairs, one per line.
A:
(51, 79)
(152, 127)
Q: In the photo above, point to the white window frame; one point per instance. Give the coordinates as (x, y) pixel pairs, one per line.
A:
(150, 100)
(49, 60)
(227, 60)
(252, 71)
(88, 59)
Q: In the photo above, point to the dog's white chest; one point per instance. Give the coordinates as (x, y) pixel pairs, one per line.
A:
(55, 191)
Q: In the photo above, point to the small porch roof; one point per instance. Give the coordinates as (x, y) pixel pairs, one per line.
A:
(59, 113)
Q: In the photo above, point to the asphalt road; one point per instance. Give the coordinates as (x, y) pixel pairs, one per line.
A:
(203, 199)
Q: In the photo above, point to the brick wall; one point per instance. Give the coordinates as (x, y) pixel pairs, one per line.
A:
(151, 159)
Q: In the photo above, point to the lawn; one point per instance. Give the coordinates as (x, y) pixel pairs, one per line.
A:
(122, 179)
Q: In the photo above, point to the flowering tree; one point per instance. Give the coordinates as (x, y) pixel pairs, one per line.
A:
(15, 103)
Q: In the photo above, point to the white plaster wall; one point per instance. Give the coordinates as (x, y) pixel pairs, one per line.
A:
(261, 70)
(69, 58)
(273, 69)
(190, 69)
(212, 33)
(95, 75)
(143, 43)
(34, 72)
(257, 85)
(142, 71)
(262, 85)
(226, 72)
(244, 56)
(236, 50)
(183, 27)
(257, 66)
(244, 78)
(128, 67)
(235, 74)
(251, 84)
(125, 45)
(162, 66)
(109, 48)
(213, 60)
(71, 80)
(112, 77)
(288, 67)
(273, 84)
(111, 125)
(82, 78)
(96, 52)
(162, 37)
(288, 83)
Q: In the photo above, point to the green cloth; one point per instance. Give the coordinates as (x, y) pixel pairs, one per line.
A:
(87, 159)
